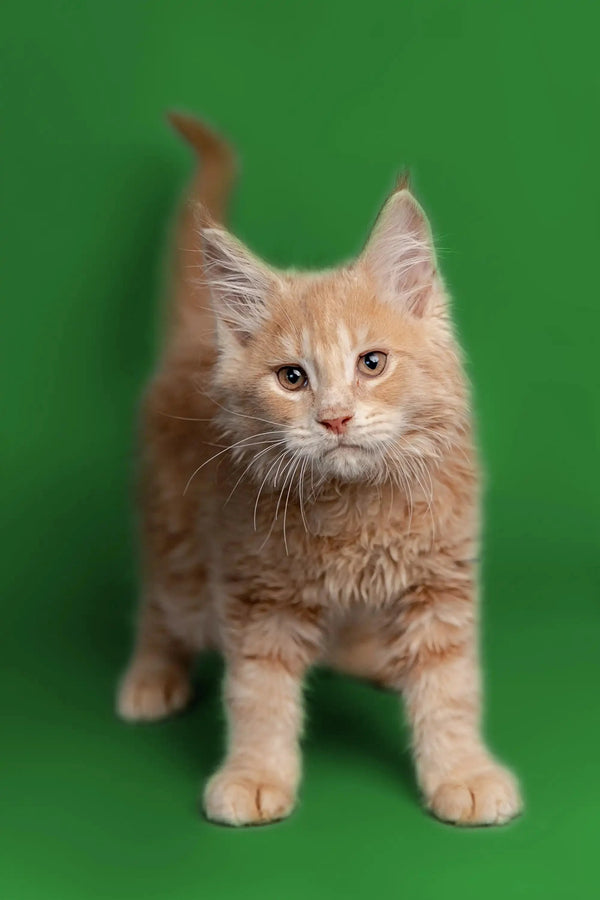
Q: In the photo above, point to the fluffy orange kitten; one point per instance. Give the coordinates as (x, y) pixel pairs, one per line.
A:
(310, 495)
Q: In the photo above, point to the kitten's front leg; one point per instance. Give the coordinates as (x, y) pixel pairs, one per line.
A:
(266, 662)
(461, 781)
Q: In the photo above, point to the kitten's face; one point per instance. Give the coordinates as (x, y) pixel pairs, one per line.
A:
(332, 376)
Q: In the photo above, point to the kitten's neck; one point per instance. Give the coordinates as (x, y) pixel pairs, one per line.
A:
(404, 501)
(341, 508)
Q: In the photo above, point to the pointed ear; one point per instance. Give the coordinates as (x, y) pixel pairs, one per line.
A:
(400, 254)
(239, 283)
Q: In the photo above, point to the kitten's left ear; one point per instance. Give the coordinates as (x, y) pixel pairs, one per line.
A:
(400, 254)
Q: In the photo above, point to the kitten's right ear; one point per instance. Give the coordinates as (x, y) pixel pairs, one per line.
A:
(239, 283)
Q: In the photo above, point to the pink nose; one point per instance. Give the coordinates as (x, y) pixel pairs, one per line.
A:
(338, 426)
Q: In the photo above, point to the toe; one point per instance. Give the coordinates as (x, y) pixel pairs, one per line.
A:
(147, 695)
(232, 798)
(486, 798)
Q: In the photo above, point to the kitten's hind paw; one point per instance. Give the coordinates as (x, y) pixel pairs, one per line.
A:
(151, 692)
(490, 797)
(232, 798)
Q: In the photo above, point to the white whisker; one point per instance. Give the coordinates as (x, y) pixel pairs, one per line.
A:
(287, 500)
(300, 493)
(233, 412)
(272, 445)
(278, 459)
(224, 450)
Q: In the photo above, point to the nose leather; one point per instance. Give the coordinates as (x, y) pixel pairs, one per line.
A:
(338, 426)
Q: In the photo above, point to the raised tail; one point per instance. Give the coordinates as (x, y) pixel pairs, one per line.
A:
(215, 174)
(207, 197)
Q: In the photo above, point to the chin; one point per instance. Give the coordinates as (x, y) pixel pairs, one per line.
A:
(349, 464)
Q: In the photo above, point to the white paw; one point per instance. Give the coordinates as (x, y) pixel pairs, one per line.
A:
(235, 798)
(488, 797)
(150, 693)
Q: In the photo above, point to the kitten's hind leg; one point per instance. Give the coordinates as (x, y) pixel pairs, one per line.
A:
(157, 681)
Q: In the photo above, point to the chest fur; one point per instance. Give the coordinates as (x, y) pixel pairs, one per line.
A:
(356, 549)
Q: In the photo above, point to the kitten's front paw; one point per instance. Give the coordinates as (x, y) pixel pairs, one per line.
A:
(235, 798)
(489, 797)
(148, 693)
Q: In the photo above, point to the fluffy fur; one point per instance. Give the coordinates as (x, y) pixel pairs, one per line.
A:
(336, 523)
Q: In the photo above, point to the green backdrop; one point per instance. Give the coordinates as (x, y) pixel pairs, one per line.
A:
(494, 105)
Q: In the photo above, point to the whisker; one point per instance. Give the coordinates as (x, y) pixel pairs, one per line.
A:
(279, 459)
(272, 445)
(417, 468)
(233, 412)
(287, 500)
(182, 418)
(287, 471)
(300, 493)
(224, 450)
(286, 468)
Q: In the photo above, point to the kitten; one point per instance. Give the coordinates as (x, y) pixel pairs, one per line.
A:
(337, 524)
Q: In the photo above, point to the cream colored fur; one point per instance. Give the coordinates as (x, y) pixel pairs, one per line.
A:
(284, 542)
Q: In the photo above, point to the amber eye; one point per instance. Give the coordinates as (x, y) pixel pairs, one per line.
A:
(292, 378)
(372, 363)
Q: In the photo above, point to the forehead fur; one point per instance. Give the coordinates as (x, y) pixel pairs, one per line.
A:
(316, 314)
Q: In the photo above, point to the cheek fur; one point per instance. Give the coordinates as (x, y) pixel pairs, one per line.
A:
(290, 408)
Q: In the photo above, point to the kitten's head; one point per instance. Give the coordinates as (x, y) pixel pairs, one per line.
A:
(352, 374)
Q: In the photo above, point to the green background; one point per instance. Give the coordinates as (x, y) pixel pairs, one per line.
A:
(494, 105)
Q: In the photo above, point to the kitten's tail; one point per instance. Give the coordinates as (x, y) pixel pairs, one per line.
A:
(207, 200)
(214, 178)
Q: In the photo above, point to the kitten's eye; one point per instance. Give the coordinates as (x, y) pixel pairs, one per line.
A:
(372, 363)
(292, 378)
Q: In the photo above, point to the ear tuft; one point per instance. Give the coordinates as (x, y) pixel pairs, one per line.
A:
(402, 181)
(239, 283)
(202, 217)
(400, 254)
